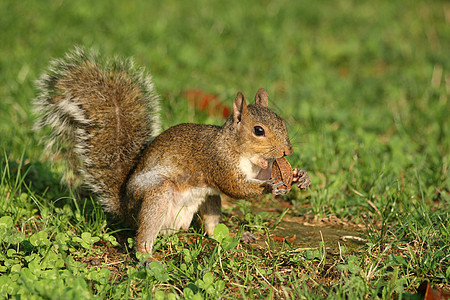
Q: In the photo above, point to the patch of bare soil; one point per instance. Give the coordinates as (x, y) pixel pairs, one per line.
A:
(115, 259)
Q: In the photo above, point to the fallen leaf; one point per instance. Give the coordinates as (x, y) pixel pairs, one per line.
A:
(429, 293)
(282, 238)
(207, 102)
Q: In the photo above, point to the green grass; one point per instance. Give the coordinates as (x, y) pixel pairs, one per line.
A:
(364, 87)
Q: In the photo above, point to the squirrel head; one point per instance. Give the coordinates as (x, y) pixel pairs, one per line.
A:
(260, 133)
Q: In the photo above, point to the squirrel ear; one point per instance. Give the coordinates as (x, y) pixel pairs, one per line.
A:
(262, 98)
(239, 107)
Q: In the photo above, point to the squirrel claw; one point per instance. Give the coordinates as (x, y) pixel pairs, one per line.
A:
(279, 192)
(147, 262)
(302, 178)
(278, 184)
(273, 187)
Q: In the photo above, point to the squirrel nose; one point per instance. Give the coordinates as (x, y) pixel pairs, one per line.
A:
(289, 150)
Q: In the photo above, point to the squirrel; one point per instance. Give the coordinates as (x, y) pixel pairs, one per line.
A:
(104, 119)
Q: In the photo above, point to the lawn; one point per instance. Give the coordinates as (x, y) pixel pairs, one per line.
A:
(364, 87)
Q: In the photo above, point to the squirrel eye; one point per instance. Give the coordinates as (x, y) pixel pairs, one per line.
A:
(258, 131)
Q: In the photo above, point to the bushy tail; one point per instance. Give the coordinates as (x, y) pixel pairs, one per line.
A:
(101, 117)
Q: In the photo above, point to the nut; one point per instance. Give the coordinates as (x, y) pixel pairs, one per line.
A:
(282, 171)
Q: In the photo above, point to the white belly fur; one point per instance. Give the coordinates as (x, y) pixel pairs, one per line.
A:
(183, 207)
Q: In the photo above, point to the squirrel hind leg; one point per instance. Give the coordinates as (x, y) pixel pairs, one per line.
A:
(146, 234)
(152, 217)
(210, 212)
(162, 212)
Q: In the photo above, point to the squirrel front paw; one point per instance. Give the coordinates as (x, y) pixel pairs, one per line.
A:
(276, 188)
(302, 178)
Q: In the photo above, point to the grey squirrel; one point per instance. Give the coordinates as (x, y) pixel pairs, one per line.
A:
(104, 118)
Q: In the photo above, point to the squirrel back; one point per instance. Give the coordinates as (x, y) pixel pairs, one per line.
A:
(102, 116)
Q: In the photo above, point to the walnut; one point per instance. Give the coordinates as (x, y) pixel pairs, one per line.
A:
(282, 171)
